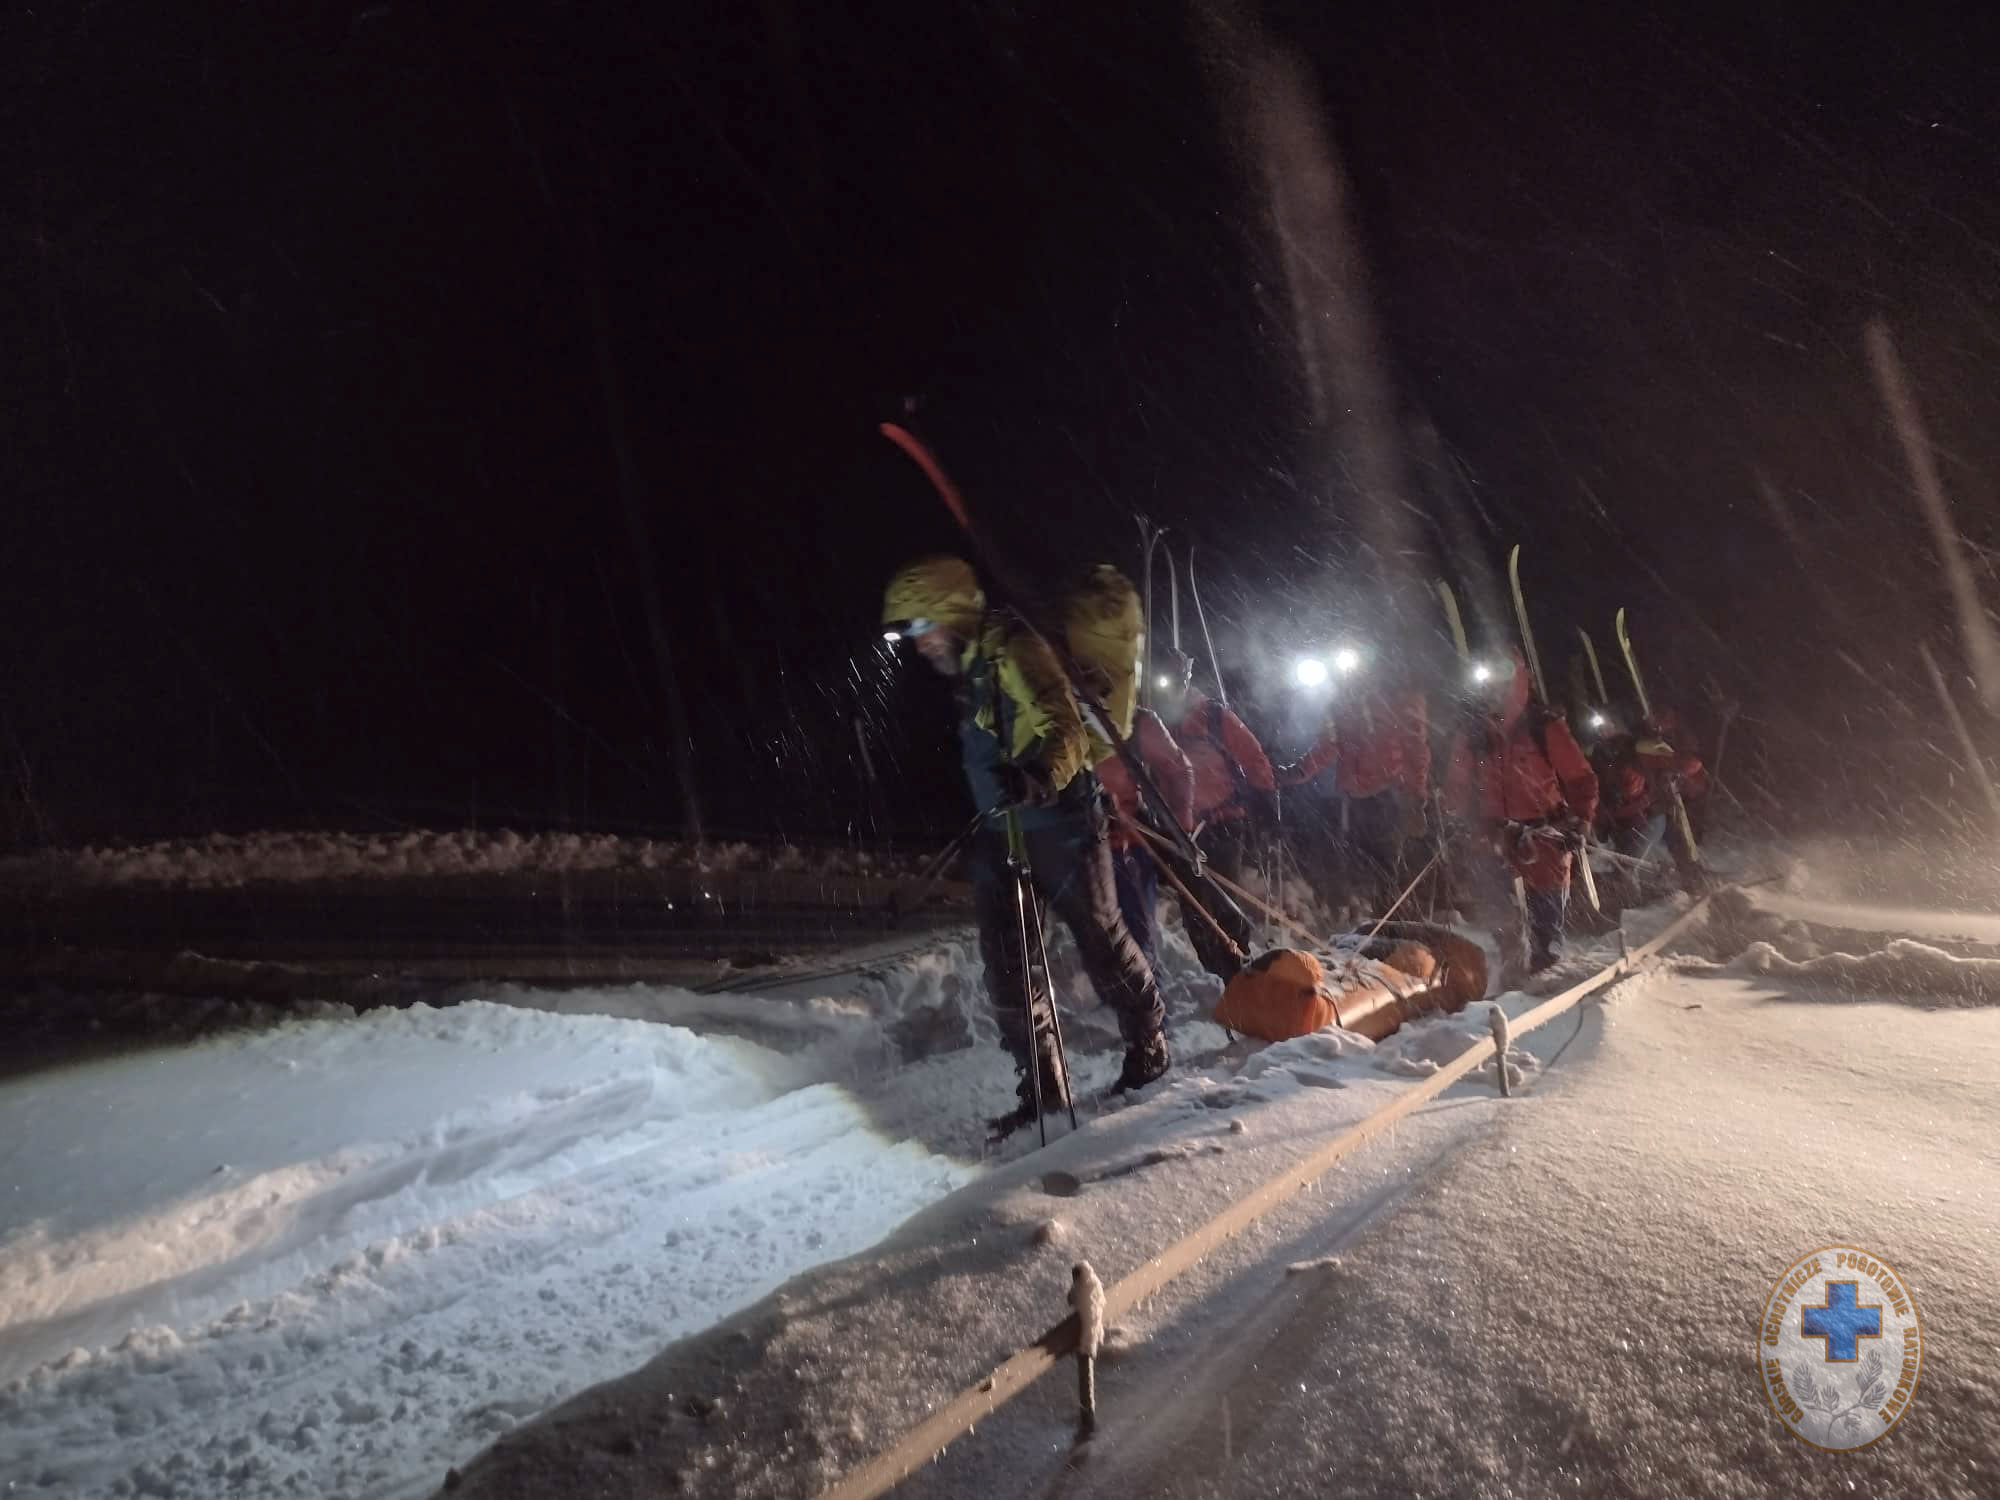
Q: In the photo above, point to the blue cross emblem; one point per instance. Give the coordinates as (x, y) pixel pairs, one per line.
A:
(1840, 1322)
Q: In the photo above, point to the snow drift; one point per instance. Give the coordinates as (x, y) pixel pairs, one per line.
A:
(229, 860)
(324, 1257)
(1904, 968)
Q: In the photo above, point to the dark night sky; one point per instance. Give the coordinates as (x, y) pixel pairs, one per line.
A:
(322, 319)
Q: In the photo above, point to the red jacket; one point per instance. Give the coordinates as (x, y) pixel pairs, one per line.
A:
(1627, 792)
(1640, 767)
(1671, 749)
(1519, 773)
(1221, 748)
(1381, 741)
(1164, 762)
(1509, 774)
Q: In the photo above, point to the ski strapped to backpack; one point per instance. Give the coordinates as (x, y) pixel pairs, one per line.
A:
(1545, 713)
(1527, 630)
(1676, 808)
(1214, 665)
(1454, 621)
(1596, 672)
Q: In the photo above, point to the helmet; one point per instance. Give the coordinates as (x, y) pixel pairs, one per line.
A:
(943, 590)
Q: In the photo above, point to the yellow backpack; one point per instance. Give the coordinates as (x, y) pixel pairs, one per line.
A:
(1104, 626)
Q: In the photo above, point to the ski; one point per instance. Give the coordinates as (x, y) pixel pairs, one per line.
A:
(1149, 541)
(1582, 861)
(1454, 621)
(1214, 666)
(1527, 630)
(1596, 671)
(1631, 662)
(1676, 808)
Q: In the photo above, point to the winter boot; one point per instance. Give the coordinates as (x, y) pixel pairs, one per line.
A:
(1055, 1096)
(1145, 1062)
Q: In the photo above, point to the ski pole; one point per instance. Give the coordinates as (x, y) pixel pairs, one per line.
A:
(1379, 921)
(1055, 1014)
(1017, 862)
(1623, 859)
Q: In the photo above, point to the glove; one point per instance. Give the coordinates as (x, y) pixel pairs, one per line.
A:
(1025, 786)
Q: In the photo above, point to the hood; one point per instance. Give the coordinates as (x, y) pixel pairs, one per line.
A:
(944, 589)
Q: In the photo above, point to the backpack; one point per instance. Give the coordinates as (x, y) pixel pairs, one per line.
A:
(1212, 732)
(1104, 627)
(1537, 717)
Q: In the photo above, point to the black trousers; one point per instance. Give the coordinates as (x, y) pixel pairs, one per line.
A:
(1069, 862)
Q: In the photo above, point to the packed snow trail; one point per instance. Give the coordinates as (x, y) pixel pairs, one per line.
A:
(1555, 1294)
(329, 1257)
(792, 1392)
(336, 1255)
(1571, 1304)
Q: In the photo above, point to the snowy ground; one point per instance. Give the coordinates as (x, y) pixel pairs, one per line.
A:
(1557, 1294)
(316, 1259)
(335, 1253)
(1568, 1304)
(341, 1254)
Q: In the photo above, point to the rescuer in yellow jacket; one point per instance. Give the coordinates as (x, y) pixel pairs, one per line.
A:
(1027, 753)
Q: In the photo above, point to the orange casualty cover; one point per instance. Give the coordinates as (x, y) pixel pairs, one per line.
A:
(1278, 995)
(1285, 993)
